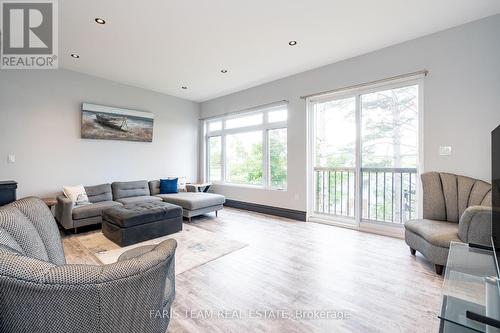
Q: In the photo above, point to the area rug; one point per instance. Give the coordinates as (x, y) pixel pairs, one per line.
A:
(195, 247)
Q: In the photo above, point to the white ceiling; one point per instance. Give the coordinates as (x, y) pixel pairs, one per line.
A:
(162, 45)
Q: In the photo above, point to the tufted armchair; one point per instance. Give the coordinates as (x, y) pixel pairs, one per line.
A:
(39, 292)
(455, 209)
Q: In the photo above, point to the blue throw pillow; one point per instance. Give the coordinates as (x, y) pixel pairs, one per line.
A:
(169, 186)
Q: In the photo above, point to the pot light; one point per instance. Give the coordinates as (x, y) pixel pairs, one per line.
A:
(223, 71)
(184, 87)
(100, 20)
(74, 55)
(292, 43)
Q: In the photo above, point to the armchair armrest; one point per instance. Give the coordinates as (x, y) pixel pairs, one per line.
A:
(135, 252)
(475, 225)
(64, 211)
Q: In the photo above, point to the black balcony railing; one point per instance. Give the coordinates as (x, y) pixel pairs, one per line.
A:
(388, 194)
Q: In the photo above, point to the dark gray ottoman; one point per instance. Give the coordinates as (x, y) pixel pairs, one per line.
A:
(134, 223)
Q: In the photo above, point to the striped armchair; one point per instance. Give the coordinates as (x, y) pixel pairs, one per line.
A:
(41, 293)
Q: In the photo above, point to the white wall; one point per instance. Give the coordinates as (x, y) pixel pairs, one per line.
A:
(462, 102)
(40, 116)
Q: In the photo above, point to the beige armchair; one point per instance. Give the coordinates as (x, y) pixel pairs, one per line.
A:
(455, 209)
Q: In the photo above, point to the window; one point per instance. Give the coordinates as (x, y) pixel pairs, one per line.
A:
(248, 149)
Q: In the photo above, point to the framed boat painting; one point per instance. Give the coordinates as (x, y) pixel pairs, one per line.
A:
(109, 123)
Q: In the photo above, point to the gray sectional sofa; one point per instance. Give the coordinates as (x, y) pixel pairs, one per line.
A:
(116, 194)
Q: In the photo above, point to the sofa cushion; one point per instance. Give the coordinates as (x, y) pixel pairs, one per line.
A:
(169, 186)
(134, 200)
(130, 189)
(141, 213)
(438, 233)
(93, 210)
(76, 194)
(193, 200)
(99, 193)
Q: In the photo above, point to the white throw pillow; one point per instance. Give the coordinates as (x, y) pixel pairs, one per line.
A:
(76, 194)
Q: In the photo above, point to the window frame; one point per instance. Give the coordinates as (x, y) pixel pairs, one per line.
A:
(264, 128)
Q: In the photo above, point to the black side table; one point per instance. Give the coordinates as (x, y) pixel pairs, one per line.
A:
(7, 192)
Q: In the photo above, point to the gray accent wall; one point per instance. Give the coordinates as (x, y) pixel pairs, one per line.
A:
(462, 102)
(40, 115)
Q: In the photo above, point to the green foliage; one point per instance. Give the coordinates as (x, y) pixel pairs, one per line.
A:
(278, 157)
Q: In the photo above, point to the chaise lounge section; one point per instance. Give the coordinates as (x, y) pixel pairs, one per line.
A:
(192, 203)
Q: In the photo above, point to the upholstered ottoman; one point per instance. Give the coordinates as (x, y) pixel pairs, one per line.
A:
(134, 223)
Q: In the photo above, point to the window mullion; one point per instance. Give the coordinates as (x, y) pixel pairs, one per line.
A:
(358, 207)
(265, 152)
(223, 158)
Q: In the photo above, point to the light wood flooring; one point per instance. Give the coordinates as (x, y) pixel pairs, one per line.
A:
(293, 268)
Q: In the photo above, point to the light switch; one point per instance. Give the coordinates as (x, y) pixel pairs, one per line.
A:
(11, 158)
(445, 150)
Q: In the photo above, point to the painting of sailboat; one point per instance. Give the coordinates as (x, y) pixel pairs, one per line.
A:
(110, 123)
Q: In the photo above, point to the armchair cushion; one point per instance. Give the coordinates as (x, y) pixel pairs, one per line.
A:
(438, 233)
(475, 225)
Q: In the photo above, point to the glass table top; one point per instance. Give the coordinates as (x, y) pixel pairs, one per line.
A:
(470, 277)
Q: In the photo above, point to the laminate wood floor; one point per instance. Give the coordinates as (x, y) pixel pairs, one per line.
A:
(294, 274)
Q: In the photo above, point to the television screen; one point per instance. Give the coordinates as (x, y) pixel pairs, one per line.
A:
(495, 182)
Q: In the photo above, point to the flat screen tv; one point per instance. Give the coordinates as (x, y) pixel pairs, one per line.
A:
(495, 183)
(495, 202)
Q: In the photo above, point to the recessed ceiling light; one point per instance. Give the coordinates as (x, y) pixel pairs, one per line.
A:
(184, 87)
(100, 20)
(292, 43)
(74, 55)
(224, 71)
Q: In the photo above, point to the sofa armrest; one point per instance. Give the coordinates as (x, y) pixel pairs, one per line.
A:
(64, 212)
(475, 225)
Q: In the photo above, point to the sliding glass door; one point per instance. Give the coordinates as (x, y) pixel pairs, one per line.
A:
(389, 154)
(365, 155)
(335, 157)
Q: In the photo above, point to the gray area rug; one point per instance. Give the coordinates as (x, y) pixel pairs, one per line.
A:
(195, 247)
